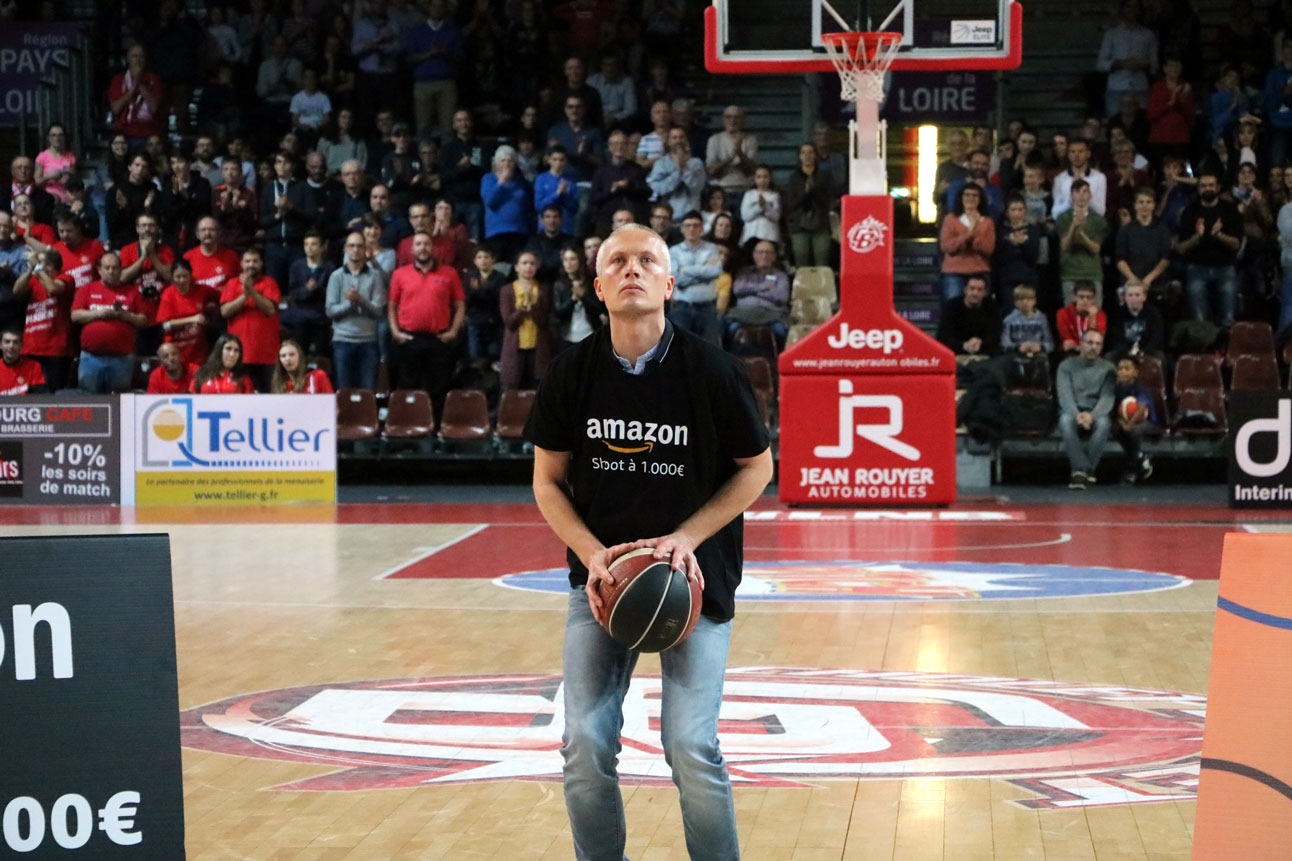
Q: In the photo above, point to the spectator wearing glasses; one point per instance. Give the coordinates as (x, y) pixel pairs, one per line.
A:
(581, 140)
(696, 265)
(731, 156)
(356, 304)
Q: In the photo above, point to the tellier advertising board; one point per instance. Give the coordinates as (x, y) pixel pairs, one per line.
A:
(230, 449)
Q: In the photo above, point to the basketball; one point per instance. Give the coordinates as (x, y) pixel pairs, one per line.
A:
(651, 607)
(1128, 408)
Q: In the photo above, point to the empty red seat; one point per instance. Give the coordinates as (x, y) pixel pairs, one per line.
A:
(513, 412)
(1197, 371)
(409, 415)
(1249, 338)
(466, 417)
(1255, 371)
(356, 415)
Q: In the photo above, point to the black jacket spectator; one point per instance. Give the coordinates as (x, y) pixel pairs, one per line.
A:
(180, 208)
(290, 230)
(961, 323)
(1144, 332)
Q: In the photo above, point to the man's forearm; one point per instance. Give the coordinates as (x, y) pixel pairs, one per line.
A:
(558, 511)
(731, 500)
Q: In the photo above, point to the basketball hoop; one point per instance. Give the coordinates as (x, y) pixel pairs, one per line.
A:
(862, 59)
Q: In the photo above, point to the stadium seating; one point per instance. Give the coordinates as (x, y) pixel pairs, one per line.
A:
(465, 425)
(356, 416)
(409, 416)
(1252, 371)
(513, 411)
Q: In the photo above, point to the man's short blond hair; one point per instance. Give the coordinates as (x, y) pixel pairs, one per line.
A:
(625, 227)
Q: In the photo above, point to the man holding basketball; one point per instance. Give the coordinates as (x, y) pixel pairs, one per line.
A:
(646, 436)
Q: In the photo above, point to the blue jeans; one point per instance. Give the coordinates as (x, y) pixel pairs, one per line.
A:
(279, 259)
(471, 212)
(1285, 306)
(103, 375)
(1208, 285)
(1084, 454)
(698, 318)
(355, 364)
(597, 674)
(484, 341)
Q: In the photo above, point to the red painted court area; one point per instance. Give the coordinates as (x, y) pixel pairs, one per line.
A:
(1171, 542)
(506, 538)
(1177, 540)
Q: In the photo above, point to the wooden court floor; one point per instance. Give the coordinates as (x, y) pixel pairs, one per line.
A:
(990, 681)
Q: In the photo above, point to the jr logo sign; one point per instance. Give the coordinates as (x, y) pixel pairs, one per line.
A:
(867, 400)
(883, 445)
(883, 433)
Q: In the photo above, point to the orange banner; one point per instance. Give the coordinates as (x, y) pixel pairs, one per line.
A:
(1245, 789)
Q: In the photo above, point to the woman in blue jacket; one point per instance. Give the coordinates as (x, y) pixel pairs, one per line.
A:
(507, 205)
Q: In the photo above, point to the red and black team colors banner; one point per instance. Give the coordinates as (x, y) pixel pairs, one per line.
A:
(89, 728)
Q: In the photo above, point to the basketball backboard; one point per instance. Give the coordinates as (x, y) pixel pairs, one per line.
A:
(780, 37)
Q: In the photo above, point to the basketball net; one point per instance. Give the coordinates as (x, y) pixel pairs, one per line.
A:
(862, 60)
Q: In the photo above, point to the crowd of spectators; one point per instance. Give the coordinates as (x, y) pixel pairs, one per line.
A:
(1162, 220)
(389, 187)
(423, 186)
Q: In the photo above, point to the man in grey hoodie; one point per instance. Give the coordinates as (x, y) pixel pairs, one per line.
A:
(1085, 387)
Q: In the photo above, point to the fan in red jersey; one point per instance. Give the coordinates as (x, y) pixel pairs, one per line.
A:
(80, 255)
(213, 264)
(223, 373)
(18, 376)
(146, 265)
(293, 377)
(250, 304)
(109, 313)
(173, 376)
(186, 312)
(48, 293)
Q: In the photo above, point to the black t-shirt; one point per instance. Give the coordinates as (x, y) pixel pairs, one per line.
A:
(648, 451)
(1210, 251)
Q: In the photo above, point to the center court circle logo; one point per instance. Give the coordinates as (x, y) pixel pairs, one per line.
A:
(1067, 744)
(847, 580)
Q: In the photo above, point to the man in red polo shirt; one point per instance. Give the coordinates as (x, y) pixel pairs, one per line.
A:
(18, 376)
(173, 376)
(250, 304)
(108, 313)
(213, 264)
(426, 310)
(46, 339)
(80, 255)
